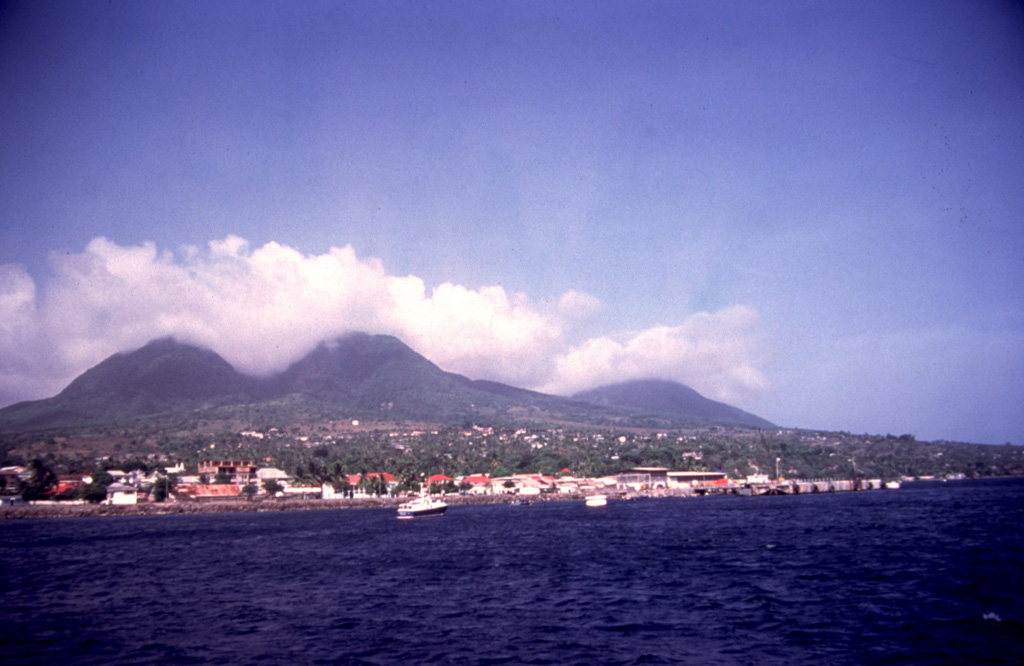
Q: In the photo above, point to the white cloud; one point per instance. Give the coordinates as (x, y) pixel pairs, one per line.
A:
(578, 305)
(19, 336)
(263, 308)
(710, 352)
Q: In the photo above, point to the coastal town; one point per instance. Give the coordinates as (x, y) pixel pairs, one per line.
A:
(244, 480)
(358, 465)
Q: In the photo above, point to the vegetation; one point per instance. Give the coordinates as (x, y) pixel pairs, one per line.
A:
(163, 488)
(272, 487)
(41, 481)
(325, 453)
(96, 491)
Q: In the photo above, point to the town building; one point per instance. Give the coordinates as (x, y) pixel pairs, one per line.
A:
(206, 492)
(239, 471)
(691, 479)
(119, 493)
(643, 478)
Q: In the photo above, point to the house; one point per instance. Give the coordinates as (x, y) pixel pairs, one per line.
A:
(267, 474)
(13, 474)
(11, 479)
(524, 484)
(119, 493)
(239, 471)
(480, 484)
(568, 485)
(272, 474)
(365, 485)
(69, 484)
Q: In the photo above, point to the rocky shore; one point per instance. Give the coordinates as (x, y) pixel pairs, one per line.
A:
(73, 510)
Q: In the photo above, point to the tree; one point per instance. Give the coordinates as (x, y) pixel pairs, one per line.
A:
(163, 488)
(96, 491)
(40, 483)
(343, 486)
(93, 492)
(373, 484)
(318, 473)
(272, 487)
(249, 490)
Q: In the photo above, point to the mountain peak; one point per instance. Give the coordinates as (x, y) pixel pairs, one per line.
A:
(669, 398)
(163, 369)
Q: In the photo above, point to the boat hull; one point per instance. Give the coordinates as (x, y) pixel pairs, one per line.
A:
(422, 513)
(422, 509)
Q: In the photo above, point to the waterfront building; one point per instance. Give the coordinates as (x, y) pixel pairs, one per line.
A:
(239, 471)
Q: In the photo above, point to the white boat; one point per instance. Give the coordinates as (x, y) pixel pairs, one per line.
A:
(422, 507)
(597, 500)
(892, 485)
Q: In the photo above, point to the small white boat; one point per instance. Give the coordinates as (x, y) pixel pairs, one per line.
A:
(892, 485)
(597, 500)
(422, 507)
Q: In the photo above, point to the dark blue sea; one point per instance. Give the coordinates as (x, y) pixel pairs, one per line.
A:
(928, 574)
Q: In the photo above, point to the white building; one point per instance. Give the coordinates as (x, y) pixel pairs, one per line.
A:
(118, 493)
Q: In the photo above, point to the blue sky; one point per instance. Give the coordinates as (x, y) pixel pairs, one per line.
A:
(811, 210)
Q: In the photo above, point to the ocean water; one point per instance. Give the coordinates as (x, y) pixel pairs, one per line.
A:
(929, 574)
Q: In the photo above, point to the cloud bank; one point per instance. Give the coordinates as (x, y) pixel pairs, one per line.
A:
(264, 308)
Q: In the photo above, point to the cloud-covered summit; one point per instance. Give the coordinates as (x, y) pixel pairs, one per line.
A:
(262, 308)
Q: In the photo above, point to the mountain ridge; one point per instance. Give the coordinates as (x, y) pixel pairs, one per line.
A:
(356, 374)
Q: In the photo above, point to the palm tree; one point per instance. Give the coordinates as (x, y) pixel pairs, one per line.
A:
(319, 473)
(342, 485)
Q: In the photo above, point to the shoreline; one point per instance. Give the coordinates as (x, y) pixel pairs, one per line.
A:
(60, 510)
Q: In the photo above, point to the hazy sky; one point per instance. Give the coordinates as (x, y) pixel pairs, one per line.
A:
(811, 210)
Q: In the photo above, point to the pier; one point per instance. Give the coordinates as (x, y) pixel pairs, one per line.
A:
(790, 487)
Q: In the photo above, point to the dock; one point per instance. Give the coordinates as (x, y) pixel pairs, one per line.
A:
(790, 487)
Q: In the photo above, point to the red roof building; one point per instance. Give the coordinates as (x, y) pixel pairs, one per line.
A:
(207, 492)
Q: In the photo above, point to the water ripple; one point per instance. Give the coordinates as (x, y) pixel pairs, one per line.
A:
(918, 576)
